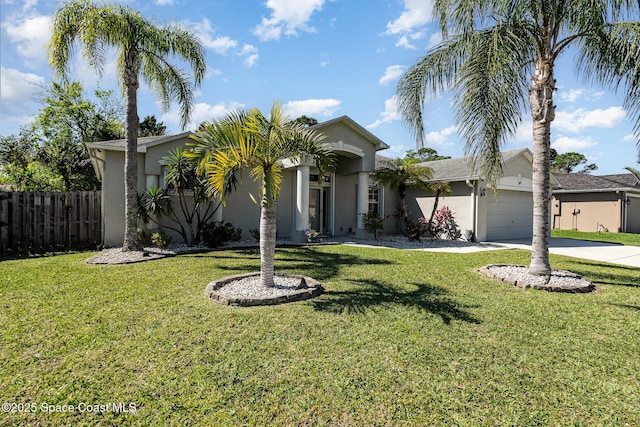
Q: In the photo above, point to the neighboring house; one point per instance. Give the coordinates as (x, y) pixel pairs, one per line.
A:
(332, 204)
(597, 203)
(506, 213)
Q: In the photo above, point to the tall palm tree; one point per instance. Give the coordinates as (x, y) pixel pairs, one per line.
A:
(498, 57)
(143, 51)
(400, 175)
(249, 140)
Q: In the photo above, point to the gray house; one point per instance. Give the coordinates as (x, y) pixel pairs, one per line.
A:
(506, 213)
(332, 204)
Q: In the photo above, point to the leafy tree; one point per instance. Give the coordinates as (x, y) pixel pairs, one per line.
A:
(19, 167)
(567, 162)
(249, 140)
(307, 121)
(400, 175)
(66, 122)
(143, 49)
(499, 56)
(151, 127)
(424, 154)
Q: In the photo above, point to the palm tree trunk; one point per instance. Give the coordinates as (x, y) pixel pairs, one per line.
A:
(267, 234)
(267, 245)
(543, 113)
(131, 162)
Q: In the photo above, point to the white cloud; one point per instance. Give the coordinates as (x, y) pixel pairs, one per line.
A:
(202, 112)
(18, 96)
(576, 121)
(572, 95)
(312, 107)
(250, 53)
(440, 137)
(564, 144)
(411, 23)
(417, 13)
(288, 17)
(223, 45)
(392, 73)
(164, 2)
(389, 114)
(435, 39)
(629, 138)
(404, 42)
(30, 36)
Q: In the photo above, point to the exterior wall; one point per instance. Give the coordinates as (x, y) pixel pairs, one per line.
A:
(153, 156)
(587, 211)
(633, 215)
(345, 198)
(113, 195)
(341, 133)
(420, 204)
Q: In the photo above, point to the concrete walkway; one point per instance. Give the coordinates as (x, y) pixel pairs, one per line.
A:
(594, 251)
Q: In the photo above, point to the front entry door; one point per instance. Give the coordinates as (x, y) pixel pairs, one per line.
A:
(319, 209)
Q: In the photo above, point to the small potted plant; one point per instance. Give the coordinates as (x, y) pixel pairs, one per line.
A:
(312, 235)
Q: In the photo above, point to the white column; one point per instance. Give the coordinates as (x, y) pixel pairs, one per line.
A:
(302, 197)
(218, 215)
(363, 199)
(152, 181)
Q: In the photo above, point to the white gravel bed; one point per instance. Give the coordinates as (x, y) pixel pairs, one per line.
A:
(559, 280)
(249, 287)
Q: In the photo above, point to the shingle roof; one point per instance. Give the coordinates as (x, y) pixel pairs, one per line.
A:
(628, 179)
(461, 168)
(586, 182)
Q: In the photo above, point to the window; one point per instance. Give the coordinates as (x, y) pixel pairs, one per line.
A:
(375, 199)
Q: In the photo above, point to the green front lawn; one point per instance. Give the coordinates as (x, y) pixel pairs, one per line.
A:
(400, 338)
(630, 239)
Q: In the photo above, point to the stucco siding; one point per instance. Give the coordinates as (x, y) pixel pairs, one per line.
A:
(587, 211)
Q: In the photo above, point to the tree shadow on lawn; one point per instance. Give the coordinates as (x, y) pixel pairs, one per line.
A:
(321, 266)
(371, 294)
(621, 275)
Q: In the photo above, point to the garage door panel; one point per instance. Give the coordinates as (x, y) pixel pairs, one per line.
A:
(510, 216)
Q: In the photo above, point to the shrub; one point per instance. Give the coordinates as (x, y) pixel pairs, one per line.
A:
(444, 225)
(144, 237)
(255, 233)
(219, 233)
(161, 239)
(372, 223)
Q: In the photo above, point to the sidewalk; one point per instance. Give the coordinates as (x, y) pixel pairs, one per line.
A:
(594, 251)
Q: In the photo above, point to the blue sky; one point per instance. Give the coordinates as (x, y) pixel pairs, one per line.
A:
(321, 58)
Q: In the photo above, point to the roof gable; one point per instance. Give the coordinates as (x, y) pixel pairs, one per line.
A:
(356, 127)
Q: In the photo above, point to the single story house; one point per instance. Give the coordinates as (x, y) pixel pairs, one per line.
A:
(332, 205)
(506, 213)
(587, 202)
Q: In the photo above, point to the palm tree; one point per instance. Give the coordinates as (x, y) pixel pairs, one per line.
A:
(249, 140)
(143, 49)
(499, 56)
(400, 175)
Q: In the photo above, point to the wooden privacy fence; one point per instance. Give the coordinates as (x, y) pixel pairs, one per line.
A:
(41, 222)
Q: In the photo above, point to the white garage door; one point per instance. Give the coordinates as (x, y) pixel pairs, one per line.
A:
(510, 215)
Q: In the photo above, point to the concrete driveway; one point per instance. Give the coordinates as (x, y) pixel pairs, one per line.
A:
(594, 251)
